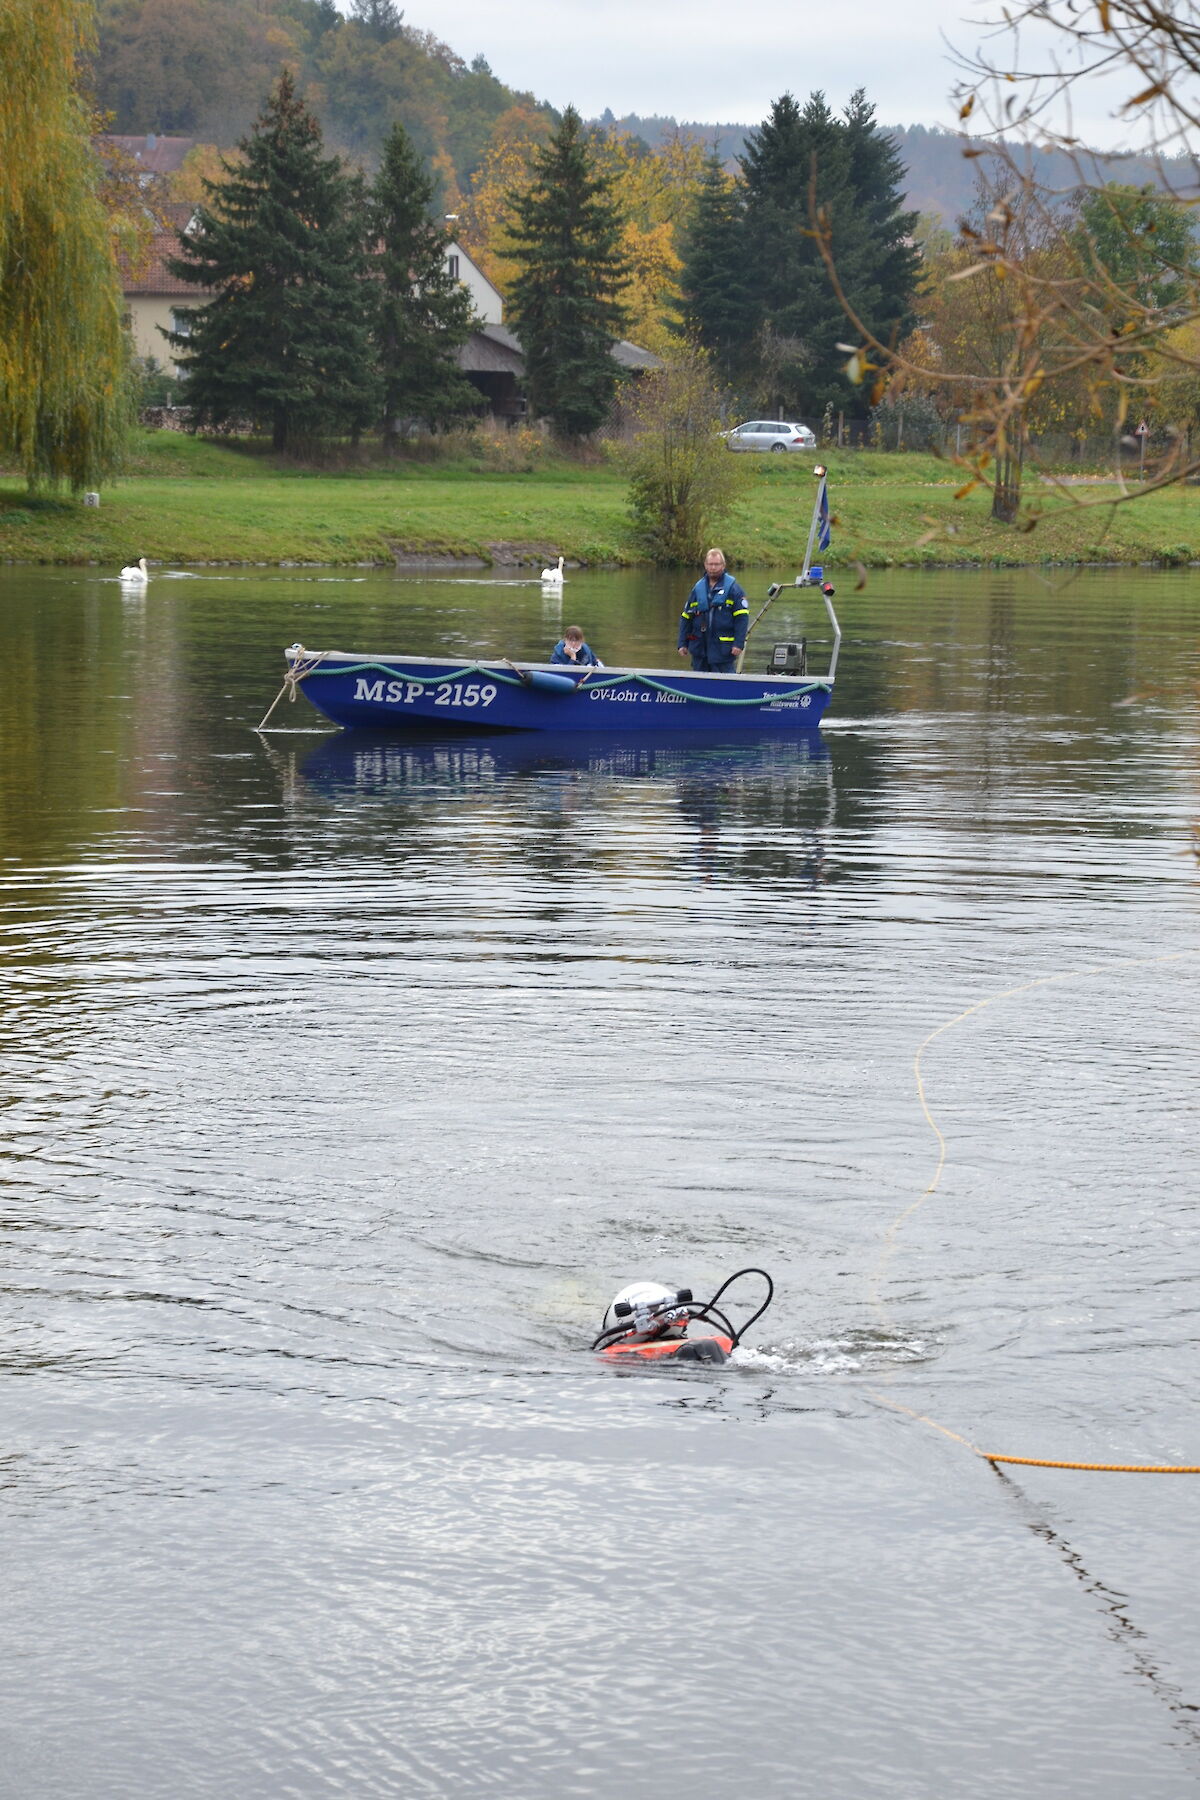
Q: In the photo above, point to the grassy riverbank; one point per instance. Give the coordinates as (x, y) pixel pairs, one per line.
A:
(185, 501)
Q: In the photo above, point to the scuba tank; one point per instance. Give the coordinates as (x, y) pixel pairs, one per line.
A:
(651, 1322)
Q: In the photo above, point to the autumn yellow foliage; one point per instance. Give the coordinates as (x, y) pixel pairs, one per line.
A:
(62, 354)
(656, 190)
(507, 167)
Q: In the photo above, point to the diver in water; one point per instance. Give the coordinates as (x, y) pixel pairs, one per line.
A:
(660, 1318)
(649, 1320)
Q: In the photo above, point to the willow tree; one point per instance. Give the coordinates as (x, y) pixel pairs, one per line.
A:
(63, 394)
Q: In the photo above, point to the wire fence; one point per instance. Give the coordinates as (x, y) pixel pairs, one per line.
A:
(889, 429)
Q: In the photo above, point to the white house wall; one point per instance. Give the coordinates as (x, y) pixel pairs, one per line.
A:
(484, 297)
(147, 312)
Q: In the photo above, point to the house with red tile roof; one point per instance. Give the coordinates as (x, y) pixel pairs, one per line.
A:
(155, 300)
(492, 358)
(153, 154)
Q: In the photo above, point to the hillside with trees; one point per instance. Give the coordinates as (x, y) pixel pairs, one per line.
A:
(938, 179)
(199, 69)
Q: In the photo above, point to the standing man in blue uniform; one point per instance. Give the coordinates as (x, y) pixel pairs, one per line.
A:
(712, 630)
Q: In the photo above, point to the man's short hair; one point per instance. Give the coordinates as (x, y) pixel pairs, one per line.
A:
(714, 552)
(574, 632)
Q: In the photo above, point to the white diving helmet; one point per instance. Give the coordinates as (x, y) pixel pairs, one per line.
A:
(653, 1311)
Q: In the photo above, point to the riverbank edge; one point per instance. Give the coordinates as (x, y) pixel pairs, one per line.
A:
(896, 512)
(417, 565)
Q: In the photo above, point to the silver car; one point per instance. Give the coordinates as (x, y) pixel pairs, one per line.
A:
(770, 434)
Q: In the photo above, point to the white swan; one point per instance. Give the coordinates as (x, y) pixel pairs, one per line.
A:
(553, 577)
(136, 574)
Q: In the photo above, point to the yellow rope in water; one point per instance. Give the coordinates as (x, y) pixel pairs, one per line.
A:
(893, 1230)
(1043, 1462)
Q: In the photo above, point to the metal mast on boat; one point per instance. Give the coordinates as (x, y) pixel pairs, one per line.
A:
(818, 523)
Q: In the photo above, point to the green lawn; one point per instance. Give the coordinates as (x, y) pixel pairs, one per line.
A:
(189, 501)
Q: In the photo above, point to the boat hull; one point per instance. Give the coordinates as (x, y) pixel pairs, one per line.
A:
(415, 695)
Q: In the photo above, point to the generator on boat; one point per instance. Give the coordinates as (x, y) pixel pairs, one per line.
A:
(651, 1321)
(789, 659)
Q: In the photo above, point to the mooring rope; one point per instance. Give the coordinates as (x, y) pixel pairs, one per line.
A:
(889, 1244)
(294, 675)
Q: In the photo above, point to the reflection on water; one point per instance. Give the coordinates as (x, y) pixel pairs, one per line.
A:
(367, 761)
(346, 1079)
(785, 791)
(1138, 1651)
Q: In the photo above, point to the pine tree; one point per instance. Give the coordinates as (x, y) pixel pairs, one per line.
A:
(857, 186)
(382, 20)
(286, 340)
(565, 303)
(720, 300)
(877, 178)
(801, 320)
(423, 312)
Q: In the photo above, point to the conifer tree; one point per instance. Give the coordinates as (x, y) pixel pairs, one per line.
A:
(565, 302)
(877, 178)
(423, 312)
(382, 20)
(800, 320)
(720, 304)
(286, 340)
(858, 179)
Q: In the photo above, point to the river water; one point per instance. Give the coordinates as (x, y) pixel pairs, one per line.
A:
(345, 1083)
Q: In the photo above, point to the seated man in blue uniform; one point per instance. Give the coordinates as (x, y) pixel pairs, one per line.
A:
(571, 648)
(712, 629)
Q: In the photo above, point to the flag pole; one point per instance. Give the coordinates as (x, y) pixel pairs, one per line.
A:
(812, 529)
(801, 580)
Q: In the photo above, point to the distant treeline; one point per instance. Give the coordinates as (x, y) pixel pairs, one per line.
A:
(939, 181)
(200, 68)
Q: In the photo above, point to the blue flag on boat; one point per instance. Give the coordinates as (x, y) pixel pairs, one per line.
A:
(823, 532)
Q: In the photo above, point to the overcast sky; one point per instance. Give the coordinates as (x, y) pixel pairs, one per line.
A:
(710, 60)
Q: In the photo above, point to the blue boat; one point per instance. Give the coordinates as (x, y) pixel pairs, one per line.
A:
(416, 695)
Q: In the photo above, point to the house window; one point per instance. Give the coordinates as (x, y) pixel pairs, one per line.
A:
(182, 322)
(452, 267)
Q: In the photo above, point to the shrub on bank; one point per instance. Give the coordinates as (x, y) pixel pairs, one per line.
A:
(683, 482)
